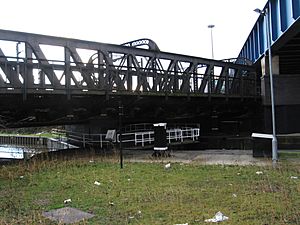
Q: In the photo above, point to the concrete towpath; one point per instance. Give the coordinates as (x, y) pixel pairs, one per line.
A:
(205, 157)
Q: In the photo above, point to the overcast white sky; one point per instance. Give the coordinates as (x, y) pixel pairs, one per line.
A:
(178, 26)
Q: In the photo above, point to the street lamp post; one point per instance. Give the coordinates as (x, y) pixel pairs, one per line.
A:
(266, 14)
(211, 26)
(120, 133)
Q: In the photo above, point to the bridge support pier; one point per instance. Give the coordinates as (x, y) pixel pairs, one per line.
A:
(287, 98)
(287, 103)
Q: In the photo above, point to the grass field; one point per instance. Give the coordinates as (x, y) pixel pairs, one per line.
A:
(147, 193)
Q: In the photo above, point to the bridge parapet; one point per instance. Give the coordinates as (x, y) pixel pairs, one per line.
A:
(96, 68)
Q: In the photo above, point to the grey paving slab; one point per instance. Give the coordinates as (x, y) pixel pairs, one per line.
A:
(207, 157)
(67, 215)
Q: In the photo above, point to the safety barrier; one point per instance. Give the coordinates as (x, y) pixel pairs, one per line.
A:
(14, 146)
(173, 135)
(137, 138)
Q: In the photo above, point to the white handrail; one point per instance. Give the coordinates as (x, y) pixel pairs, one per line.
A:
(138, 138)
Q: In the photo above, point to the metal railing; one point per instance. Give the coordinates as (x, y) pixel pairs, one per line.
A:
(14, 146)
(137, 138)
(173, 135)
(83, 139)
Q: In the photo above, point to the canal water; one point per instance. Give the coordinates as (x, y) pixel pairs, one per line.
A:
(8, 151)
(11, 152)
(16, 152)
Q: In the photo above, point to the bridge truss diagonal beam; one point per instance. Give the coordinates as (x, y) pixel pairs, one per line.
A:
(111, 69)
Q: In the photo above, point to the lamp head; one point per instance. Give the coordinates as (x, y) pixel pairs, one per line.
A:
(259, 11)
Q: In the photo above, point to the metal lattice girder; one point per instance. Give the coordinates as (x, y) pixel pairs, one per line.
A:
(115, 68)
(284, 19)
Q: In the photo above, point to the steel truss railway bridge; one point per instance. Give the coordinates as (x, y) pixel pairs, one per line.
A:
(88, 79)
(54, 80)
(93, 87)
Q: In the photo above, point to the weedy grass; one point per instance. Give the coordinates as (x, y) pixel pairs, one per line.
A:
(147, 193)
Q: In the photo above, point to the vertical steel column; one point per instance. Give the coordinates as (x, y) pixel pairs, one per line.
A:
(28, 67)
(67, 72)
(101, 79)
(129, 76)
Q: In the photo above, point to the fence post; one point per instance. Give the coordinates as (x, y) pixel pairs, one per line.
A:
(193, 134)
(83, 140)
(100, 141)
(181, 132)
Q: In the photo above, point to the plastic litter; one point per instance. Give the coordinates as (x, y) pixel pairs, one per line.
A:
(293, 177)
(91, 161)
(21, 177)
(111, 203)
(131, 217)
(67, 201)
(234, 195)
(219, 217)
(259, 172)
(182, 224)
(97, 183)
(168, 166)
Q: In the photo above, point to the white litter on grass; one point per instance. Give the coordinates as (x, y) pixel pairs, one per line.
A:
(182, 224)
(128, 179)
(234, 195)
(111, 203)
(91, 161)
(131, 217)
(259, 172)
(67, 201)
(21, 177)
(97, 183)
(168, 166)
(293, 177)
(219, 217)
